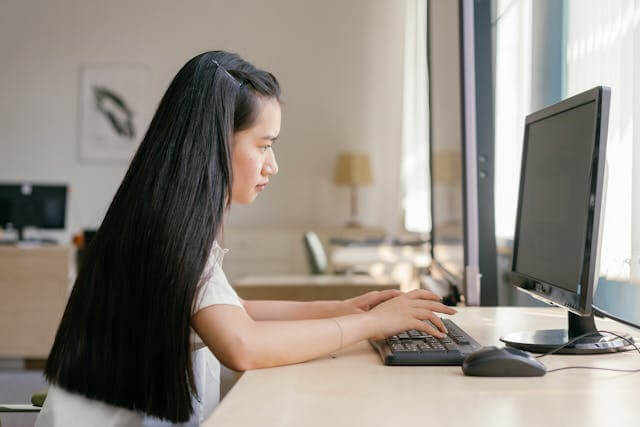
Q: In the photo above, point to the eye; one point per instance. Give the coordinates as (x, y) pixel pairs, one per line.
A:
(265, 147)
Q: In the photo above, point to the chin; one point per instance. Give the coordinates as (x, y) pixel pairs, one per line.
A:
(245, 199)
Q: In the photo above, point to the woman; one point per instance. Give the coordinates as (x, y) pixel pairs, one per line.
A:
(151, 311)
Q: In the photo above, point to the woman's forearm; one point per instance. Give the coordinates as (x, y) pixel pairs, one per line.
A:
(242, 343)
(297, 310)
(275, 343)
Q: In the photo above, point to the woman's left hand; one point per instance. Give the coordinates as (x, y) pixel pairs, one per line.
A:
(366, 302)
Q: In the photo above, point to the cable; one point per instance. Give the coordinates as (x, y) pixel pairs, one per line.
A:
(632, 371)
(599, 312)
(630, 342)
(555, 350)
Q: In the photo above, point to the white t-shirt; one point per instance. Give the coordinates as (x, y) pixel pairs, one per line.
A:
(62, 408)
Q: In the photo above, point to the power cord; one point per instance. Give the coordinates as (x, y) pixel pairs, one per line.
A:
(555, 350)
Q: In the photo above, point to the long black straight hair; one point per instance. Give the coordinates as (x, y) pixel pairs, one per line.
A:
(124, 336)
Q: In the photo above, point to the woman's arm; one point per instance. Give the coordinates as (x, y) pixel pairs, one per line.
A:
(298, 310)
(242, 343)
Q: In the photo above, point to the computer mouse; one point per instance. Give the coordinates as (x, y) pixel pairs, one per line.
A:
(502, 362)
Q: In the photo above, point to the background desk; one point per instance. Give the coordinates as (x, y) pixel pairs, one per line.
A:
(310, 287)
(346, 257)
(34, 287)
(355, 389)
(403, 263)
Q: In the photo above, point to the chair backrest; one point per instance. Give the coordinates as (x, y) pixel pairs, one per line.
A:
(315, 253)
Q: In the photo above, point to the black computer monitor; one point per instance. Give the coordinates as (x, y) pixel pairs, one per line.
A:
(558, 223)
(453, 158)
(32, 205)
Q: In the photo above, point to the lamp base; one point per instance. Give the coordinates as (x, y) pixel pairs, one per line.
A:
(353, 223)
(353, 220)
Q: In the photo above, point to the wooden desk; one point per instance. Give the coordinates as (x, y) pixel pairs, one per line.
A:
(344, 257)
(310, 287)
(355, 389)
(34, 287)
(402, 263)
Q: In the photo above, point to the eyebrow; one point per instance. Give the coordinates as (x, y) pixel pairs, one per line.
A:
(272, 138)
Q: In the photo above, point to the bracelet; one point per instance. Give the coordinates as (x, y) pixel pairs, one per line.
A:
(341, 338)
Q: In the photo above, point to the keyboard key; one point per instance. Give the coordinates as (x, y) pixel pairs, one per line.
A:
(411, 346)
(423, 346)
(459, 339)
(449, 344)
(397, 347)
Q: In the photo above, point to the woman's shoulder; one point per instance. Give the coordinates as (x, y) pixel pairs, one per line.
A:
(215, 288)
(213, 269)
(217, 253)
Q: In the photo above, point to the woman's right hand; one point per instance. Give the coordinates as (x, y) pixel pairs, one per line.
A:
(407, 311)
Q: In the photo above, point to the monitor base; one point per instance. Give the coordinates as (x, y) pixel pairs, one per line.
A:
(543, 341)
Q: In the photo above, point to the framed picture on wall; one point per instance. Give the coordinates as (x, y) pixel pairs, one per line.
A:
(112, 111)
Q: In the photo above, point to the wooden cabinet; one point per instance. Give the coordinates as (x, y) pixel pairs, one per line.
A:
(34, 287)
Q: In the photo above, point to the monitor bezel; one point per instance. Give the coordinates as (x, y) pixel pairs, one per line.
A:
(577, 302)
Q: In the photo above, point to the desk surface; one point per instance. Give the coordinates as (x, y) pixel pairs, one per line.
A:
(356, 389)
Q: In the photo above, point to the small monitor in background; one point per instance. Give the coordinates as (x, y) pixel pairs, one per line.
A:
(41, 206)
(558, 224)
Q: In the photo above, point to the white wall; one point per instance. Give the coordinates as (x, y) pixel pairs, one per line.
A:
(339, 64)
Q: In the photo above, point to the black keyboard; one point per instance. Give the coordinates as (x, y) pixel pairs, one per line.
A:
(418, 348)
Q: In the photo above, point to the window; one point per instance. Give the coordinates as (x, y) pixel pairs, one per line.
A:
(603, 48)
(513, 102)
(415, 131)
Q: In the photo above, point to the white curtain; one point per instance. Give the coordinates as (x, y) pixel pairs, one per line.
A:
(415, 121)
(603, 48)
(512, 104)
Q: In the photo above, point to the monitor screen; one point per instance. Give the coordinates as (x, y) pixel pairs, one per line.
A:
(560, 203)
(41, 206)
(556, 197)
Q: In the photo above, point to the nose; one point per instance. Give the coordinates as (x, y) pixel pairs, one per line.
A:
(270, 166)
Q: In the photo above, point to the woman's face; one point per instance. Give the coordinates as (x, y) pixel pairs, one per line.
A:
(252, 157)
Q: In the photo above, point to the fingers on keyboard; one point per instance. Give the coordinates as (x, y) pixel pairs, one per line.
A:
(423, 294)
(437, 322)
(433, 306)
(429, 329)
(431, 319)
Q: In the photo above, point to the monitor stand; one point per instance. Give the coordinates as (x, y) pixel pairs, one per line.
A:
(543, 341)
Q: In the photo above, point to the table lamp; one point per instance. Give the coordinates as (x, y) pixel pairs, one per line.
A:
(353, 169)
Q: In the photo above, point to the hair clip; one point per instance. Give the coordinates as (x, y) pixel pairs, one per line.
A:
(239, 84)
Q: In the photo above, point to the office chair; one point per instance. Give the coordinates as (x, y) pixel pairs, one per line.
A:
(315, 253)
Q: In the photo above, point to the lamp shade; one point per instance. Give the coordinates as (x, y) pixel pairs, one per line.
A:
(353, 169)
